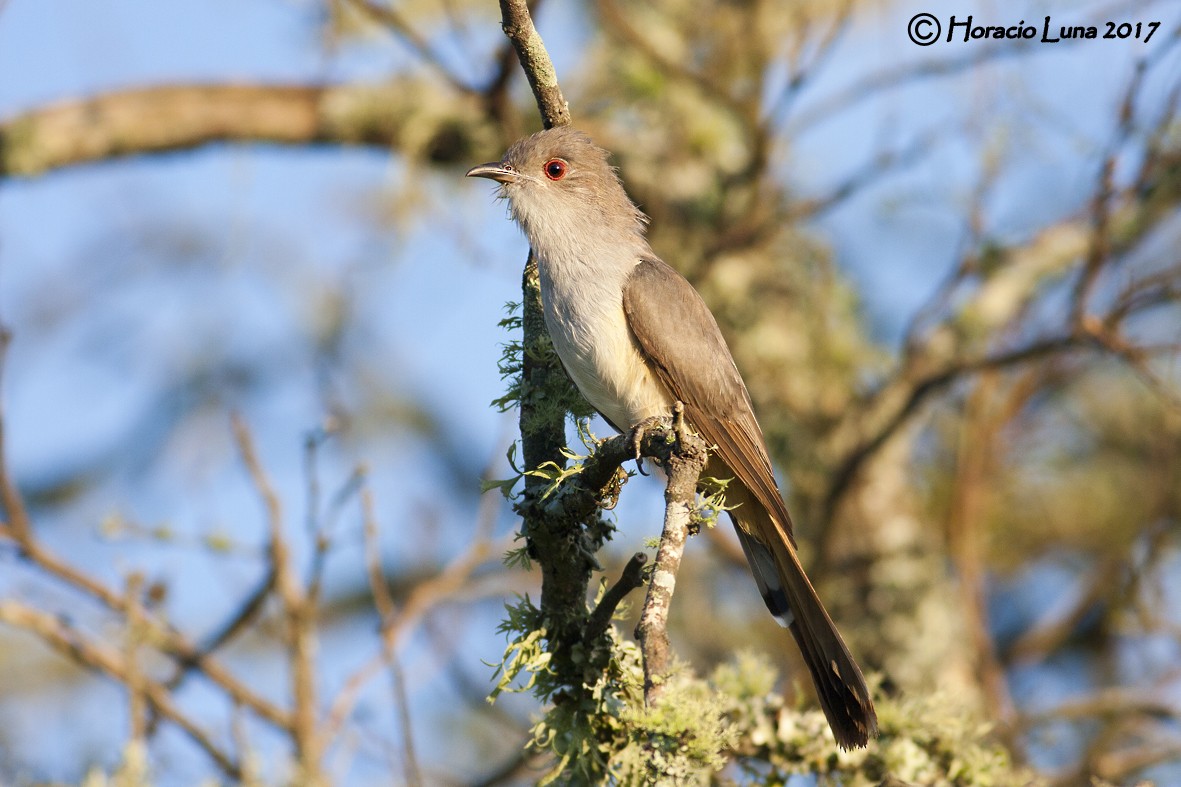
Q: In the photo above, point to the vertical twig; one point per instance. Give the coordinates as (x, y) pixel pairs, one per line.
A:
(14, 506)
(134, 634)
(541, 441)
(684, 466)
(1099, 253)
(409, 758)
(535, 61)
(311, 447)
(976, 463)
(299, 614)
(387, 611)
(563, 582)
(424, 596)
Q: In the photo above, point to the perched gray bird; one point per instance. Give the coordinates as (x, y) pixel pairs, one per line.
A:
(635, 337)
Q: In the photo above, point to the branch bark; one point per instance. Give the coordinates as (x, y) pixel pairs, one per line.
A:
(630, 579)
(517, 24)
(561, 539)
(170, 118)
(684, 464)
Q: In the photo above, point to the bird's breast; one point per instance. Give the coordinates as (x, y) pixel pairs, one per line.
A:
(585, 317)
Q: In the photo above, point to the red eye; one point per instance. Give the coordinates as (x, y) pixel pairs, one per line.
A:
(555, 169)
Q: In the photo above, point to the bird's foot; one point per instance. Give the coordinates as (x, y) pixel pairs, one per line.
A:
(639, 432)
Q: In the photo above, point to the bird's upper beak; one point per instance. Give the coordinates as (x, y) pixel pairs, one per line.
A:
(495, 170)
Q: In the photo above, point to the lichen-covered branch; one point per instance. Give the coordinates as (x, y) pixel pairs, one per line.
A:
(684, 464)
(563, 542)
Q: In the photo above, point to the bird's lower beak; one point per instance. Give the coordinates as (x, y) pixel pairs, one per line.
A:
(495, 171)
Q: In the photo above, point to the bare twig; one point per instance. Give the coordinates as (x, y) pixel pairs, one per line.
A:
(386, 609)
(539, 69)
(311, 448)
(389, 16)
(237, 622)
(320, 533)
(631, 579)
(1057, 624)
(928, 368)
(299, 613)
(426, 595)
(382, 600)
(880, 166)
(322, 530)
(409, 759)
(441, 587)
(800, 74)
(133, 638)
(921, 389)
(1113, 701)
(883, 80)
(976, 460)
(1117, 766)
(1099, 253)
(70, 642)
(18, 526)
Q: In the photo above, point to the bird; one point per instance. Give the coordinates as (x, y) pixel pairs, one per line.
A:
(635, 337)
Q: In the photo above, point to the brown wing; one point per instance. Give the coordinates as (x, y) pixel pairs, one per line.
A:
(681, 339)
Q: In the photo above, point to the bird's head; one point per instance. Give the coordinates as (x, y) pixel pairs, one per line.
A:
(559, 181)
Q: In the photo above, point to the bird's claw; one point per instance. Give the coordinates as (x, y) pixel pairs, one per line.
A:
(637, 440)
(638, 432)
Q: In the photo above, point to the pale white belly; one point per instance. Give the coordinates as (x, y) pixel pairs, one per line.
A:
(590, 334)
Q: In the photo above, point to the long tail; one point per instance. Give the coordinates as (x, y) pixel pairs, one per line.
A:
(793, 601)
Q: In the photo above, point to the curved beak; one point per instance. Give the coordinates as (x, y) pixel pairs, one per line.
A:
(494, 170)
